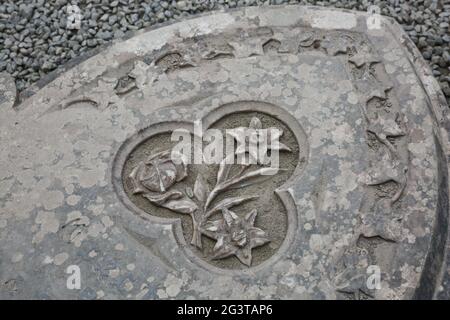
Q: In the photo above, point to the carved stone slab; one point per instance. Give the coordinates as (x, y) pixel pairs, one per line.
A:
(86, 179)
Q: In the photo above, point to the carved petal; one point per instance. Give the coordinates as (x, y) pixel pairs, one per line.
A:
(279, 146)
(255, 123)
(229, 216)
(134, 179)
(223, 250)
(180, 163)
(201, 189)
(257, 238)
(189, 192)
(275, 133)
(251, 216)
(161, 198)
(213, 229)
(275, 144)
(245, 255)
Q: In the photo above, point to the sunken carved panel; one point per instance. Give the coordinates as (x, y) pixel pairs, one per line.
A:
(231, 215)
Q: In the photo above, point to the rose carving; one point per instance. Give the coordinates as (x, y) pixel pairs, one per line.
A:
(159, 172)
(155, 177)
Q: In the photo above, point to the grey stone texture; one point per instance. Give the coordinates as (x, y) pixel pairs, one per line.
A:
(363, 118)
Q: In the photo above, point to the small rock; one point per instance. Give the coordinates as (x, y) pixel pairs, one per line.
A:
(181, 5)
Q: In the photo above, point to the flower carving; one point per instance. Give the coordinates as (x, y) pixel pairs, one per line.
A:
(156, 180)
(158, 173)
(235, 236)
(255, 141)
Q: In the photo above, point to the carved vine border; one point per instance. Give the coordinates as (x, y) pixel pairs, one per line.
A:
(386, 177)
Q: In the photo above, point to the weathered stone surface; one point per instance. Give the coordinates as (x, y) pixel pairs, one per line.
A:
(85, 179)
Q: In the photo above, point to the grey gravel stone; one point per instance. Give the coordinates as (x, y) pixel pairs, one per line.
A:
(427, 23)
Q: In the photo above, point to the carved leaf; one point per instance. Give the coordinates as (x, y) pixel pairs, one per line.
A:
(201, 189)
(186, 206)
(229, 203)
(253, 177)
(160, 199)
(174, 201)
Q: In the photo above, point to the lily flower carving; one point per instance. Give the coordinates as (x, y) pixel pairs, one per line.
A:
(235, 236)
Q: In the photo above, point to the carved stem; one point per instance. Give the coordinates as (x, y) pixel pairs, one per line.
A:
(211, 196)
(196, 234)
(222, 186)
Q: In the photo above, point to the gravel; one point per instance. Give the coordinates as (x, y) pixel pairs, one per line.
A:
(34, 39)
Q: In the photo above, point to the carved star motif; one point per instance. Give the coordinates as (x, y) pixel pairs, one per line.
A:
(235, 236)
(376, 93)
(362, 58)
(352, 279)
(372, 90)
(383, 222)
(104, 93)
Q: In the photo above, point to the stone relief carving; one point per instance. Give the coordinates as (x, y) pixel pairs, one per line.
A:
(386, 178)
(388, 167)
(156, 180)
(99, 95)
(387, 173)
(235, 236)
